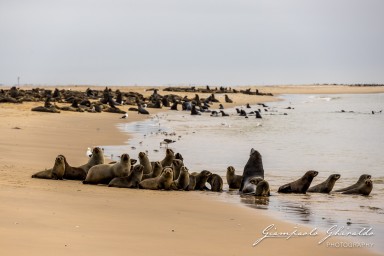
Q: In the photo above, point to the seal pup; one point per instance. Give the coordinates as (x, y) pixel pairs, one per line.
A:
(144, 161)
(250, 187)
(169, 157)
(253, 168)
(130, 181)
(362, 179)
(176, 165)
(55, 173)
(233, 180)
(216, 183)
(299, 186)
(326, 186)
(104, 173)
(262, 189)
(163, 181)
(182, 181)
(80, 173)
(156, 171)
(201, 179)
(363, 188)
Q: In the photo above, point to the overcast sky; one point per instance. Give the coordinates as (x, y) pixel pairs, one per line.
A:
(222, 42)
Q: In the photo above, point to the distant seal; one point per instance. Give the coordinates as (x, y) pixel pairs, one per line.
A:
(182, 181)
(233, 180)
(250, 187)
(104, 173)
(55, 173)
(130, 181)
(262, 189)
(364, 188)
(163, 181)
(326, 186)
(216, 183)
(201, 179)
(144, 161)
(169, 157)
(253, 168)
(176, 164)
(299, 186)
(357, 184)
(157, 168)
(80, 173)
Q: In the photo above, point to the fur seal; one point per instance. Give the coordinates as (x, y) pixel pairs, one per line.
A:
(157, 168)
(233, 180)
(253, 168)
(130, 181)
(326, 186)
(179, 156)
(163, 181)
(299, 186)
(55, 173)
(250, 187)
(169, 157)
(216, 183)
(104, 173)
(363, 188)
(201, 179)
(176, 165)
(80, 173)
(262, 189)
(144, 161)
(357, 184)
(182, 181)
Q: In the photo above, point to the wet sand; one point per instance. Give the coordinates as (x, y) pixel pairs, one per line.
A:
(41, 217)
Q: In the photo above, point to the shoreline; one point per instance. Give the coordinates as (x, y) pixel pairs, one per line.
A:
(60, 215)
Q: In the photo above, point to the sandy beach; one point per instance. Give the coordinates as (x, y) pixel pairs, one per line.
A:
(41, 217)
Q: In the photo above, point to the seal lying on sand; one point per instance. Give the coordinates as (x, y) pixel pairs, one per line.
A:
(163, 181)
(233, 180)
(55, 173)
(80, 173)
(201, 178)
(299, 186)
(253, 168)
(357, 184)
(104, 173)
(182, 181)
(130, 181)
(364, 188)
(216, 183)
(326, 186)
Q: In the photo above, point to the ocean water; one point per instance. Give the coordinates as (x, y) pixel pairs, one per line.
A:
(314, 135)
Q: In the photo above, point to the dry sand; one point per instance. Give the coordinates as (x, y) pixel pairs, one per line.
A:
(45, 217)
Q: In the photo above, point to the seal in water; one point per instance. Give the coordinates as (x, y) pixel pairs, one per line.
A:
(250, 187)
(299, 186)
(104, 173)
(253, 168)
(326, 186)
(262, 189)
(364, 188)
(357, 184)
(233, 180)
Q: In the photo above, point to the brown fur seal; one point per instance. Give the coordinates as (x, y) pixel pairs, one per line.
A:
(169, 157)
(262, 189)
(55, 173)
(364, 188)
(157, 168)
(253, 168)
(80, 173)
(250, 187)
(233, 180)
(182, 181)
(164, 181)
(299, 186)
(144, 161)
(192, 183)
(357, 184)
(201, 179)
(176, 165)
(326, 186)
(216, 183)
(130, 181)
(104, 173)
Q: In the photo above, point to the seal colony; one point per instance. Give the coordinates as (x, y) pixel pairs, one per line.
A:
(171, 174)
